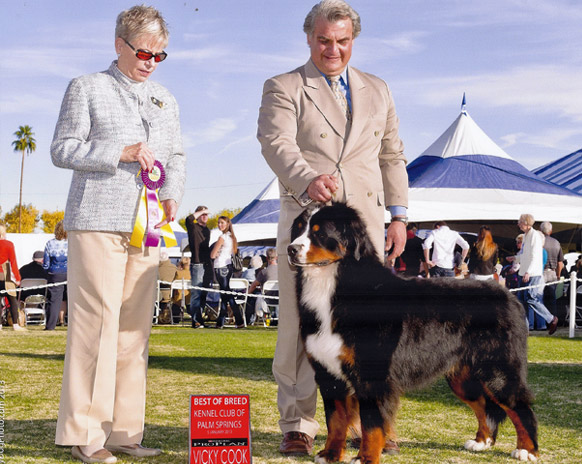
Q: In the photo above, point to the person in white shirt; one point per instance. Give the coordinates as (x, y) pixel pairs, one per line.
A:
(531, 268)
(221, 253)
(443, 241)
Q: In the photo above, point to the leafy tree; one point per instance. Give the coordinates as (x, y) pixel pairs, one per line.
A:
(22, 219)
(26, 144)
(50, 219)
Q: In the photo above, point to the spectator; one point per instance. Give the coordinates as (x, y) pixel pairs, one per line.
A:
(255, 264)
(443, 241)
(33, 270)
(182, 272)
(483, 256)
(553, 267)
(222, 252)
(55, 263)
(268, 273)
(200, 264)
(531, 271)
(413, 255)
(166, 273)
(9, 276)
(509, 271)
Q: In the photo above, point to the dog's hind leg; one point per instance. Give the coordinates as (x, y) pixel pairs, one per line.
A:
(488, 414)
(518, 409)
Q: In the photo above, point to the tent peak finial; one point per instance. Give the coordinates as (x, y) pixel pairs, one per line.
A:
(463, 105)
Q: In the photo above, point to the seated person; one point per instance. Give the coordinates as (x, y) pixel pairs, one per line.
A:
(166, 273)
(268, 273)
(182, 272)
(33, 270)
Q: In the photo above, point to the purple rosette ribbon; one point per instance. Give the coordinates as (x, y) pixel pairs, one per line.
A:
(153, 180)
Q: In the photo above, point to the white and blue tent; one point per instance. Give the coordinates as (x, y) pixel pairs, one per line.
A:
(465, 176)
(565, 171)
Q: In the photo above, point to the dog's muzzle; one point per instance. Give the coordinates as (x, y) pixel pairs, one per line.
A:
(293, 252)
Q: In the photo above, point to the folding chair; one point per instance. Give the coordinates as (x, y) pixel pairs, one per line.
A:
(271, 288)
(34, 305)
(240, 286)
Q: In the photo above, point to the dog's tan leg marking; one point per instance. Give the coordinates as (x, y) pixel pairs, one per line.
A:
(483, 439)
(337, 430)
(373, 441)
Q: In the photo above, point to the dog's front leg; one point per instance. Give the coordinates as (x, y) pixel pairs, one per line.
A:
(373, 433)
(339, 414)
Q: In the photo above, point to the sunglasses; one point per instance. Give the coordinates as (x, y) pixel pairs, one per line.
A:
(146, 56)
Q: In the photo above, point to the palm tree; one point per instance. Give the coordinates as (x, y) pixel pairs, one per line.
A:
(26, 144)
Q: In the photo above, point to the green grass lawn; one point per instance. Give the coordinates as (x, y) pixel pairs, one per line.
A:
(432, 424)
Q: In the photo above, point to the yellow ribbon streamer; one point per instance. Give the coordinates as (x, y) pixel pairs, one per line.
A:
(139, 228)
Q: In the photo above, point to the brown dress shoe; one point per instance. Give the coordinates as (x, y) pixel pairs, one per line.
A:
(553, 326)
(296, 444)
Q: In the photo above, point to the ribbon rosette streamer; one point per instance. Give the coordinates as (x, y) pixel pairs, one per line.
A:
(151, 212)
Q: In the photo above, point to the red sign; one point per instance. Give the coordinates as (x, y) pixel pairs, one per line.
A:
(220, 429)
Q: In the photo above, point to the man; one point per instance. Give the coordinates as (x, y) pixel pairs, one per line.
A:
(552, 269)
(33, 270)
(200, 264)
(327, 144)
(443, 241)
(531, 269)
(413, 255)
(166, 273)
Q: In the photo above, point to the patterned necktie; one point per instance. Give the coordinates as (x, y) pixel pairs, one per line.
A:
(339, 95)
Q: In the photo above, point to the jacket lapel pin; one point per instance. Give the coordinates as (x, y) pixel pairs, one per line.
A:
(157, 102)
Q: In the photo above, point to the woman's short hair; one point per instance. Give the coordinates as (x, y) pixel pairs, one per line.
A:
(332, 10)
(60, 232)
(141, 19)
(527, 219)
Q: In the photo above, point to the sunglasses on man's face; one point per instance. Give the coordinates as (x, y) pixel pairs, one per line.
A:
(146, 56)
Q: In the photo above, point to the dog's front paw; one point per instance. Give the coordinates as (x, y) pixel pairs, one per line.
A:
(328, 456)
(523, 455)
(474, 445)
(356, 460)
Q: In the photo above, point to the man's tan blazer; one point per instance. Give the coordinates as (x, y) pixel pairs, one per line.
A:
(304, 133)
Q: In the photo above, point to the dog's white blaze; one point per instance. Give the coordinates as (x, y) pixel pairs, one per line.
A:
(319, 286)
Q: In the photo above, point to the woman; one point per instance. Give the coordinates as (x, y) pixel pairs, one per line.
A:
(55, 262)
(9, 273)
(221, 253)
(483, 256)
(112, 126)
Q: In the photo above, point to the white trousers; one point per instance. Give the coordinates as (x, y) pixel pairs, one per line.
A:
(111, 291)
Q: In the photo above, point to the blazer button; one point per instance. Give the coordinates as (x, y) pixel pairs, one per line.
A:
(376, 133)
(323, 135)
(370, 194)
(151, 124)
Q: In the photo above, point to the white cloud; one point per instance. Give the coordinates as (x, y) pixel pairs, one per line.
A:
(553, 89)
(216, 130)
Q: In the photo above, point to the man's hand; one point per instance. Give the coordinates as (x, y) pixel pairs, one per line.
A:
(322, 187)
(141, 153)
(526, 278)
(395, 239)
(170, 209)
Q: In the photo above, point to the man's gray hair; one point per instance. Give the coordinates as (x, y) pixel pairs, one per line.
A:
(546, 228)
(332, 10)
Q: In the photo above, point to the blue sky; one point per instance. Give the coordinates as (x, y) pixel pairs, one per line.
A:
(518, 61)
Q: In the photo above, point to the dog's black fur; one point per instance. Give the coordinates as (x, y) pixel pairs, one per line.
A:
(396, 334)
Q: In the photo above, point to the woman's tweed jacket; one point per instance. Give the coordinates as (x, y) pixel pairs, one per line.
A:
(100, 115)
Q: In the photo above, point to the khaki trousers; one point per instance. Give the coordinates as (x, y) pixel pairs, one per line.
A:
(297, 393)
(111, 289)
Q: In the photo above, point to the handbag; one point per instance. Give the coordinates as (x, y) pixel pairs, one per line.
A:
(237, 262)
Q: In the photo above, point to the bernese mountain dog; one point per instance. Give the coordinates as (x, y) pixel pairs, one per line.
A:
(372, 336)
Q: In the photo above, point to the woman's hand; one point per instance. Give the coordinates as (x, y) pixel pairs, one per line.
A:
(141, 153)
(170, 210)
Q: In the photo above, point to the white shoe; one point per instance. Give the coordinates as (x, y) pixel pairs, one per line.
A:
(135, 450)
(17, 328)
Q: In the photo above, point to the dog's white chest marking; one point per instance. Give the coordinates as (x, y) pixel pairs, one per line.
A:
(325, 347)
